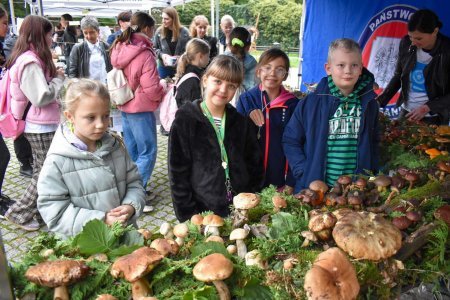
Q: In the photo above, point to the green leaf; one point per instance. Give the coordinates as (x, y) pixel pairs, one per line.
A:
(204, 293)
(96, 237)
(254, 290)
(122, 250)
(208, 248)
(282, 224)
(132, 238)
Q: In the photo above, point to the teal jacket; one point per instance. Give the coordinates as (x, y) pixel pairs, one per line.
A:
(77, 186)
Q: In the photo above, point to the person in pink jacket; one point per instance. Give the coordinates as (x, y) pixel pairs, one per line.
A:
(133, 52)
(35, 86)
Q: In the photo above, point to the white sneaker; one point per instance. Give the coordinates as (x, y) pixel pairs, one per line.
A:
(148, 208)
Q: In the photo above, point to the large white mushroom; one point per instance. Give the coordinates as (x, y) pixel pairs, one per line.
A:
(212, 224)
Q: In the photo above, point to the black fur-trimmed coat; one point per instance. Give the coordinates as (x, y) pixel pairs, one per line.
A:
(197, 179)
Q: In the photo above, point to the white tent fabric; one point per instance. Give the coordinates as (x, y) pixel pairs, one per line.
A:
(102, 8)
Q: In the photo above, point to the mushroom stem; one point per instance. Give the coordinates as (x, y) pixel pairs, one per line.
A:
(61, 293)
(140, 288)
(222, 290)
(391, 195)
(241, 248)
(411, 184)
(179, 241)
(212, 230)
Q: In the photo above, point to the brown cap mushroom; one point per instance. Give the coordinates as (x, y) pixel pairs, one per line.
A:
(307, 196)
(322, 224)
(253, 258)
(278, 202)
(180, 231)
(165, 246)
(339, 213)
(382, 182)
(239, 235)
(345, 182)
(242, 203)
(106, 297)
(146, 234)
(397, 183)
(58, 274)
(309, 236)
(320, 188)
(444, 168)
(134, 266)
(367, 235)
(443, 213)
(197, 220)
(361, 184)
(215, 268)
(411, 177)
(414, 216)
(401, 222)
(212, 223)
(355, 199)
(332, 276)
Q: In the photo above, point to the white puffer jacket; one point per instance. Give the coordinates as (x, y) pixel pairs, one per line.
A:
(77, 186)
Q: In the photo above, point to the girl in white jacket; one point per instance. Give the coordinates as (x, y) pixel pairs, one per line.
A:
(88, 173)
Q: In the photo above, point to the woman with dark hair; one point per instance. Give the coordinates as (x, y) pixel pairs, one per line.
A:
(133, 53)
(69, 37)
(89, 59)
(170, 42)
(422, 72)
(35, 85)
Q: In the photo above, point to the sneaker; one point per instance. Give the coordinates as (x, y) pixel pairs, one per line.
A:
(26, 170)
(148, 208)
(5, 203)
(31, 225)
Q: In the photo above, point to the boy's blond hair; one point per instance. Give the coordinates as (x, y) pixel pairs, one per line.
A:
(344, 43)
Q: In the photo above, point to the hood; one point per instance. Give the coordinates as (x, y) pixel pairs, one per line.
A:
(282, 97)
(249, 62)
(124, 53)
(61, 146)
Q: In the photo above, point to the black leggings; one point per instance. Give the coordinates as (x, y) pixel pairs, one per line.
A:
(4, 160)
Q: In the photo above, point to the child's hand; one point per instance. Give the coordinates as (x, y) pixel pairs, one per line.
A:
(257, 117)
(122, 211)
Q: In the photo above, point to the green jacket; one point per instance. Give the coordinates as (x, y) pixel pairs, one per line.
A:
(77, 186)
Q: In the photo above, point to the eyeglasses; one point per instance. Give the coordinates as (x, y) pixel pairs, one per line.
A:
(279, 72)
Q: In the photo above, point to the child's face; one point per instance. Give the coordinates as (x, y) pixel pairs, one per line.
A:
(272, 74)
(90, 119)
(226, 27)
(344, 67)
(201, 29)
(218, 92)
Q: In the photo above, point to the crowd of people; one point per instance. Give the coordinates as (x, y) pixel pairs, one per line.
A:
(237, 129)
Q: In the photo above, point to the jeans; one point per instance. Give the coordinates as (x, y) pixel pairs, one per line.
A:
(139, 130)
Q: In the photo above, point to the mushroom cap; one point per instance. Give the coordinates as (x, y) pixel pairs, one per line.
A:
(443, 213)
(309, 235)
(213, 220)
(332, 276)
(344, 179)
(215, 238)
(367, 235)
(442, 140)
(339, 213)
(318, 185)
(279, 201)
(401, 222)
(382, 180)
(165, 246)
(137, 264)
(322, 222)
(411, 176)
(181, 230)
(57, 273)
(238, 234)
(165, 228)
(355, 200)
(213, 267)
(197, 219)
(232, 249)
(361, 183)
(444, 166)
(414, 216)
(397, 183)
(245, 201)
(106, 297)
(443, 130)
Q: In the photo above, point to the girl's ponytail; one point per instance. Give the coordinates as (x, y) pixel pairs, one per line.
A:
(183, 61)
(240, 41)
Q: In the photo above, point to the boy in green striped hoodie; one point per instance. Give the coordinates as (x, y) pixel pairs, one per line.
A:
(334, 130)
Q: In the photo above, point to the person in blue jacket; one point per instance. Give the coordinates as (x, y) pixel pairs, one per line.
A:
(270, 106)
(334, 131)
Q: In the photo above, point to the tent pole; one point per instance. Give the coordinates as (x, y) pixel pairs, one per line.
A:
(217, 18)
(12, 16)
(213, 23)
(41, 8)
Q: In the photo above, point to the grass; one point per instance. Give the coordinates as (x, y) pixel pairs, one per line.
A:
(293, 57)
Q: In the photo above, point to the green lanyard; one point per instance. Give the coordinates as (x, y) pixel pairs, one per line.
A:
(220, 134)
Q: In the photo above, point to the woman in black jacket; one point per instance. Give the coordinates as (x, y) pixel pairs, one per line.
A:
(170, 42)
(199, 29)
(422, 72)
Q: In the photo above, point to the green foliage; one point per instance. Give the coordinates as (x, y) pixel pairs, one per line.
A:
(202, 249)
(254, 290)
(204, 293)
(429, 206)
(97, 237)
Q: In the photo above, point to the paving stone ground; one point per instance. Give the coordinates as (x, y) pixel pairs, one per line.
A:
(17, 240)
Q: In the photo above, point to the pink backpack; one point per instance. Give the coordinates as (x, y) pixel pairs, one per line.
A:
(10, 127)
(169, 105)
